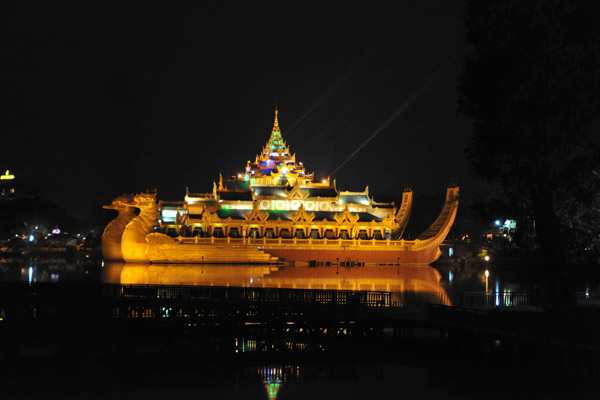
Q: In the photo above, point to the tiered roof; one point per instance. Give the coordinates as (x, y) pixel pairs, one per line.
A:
(276, 162)
(275, 188)
(275, 175)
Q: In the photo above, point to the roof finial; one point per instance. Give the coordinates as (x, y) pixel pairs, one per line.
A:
(276, 123)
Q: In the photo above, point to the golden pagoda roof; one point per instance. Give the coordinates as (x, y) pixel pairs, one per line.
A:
(275, 148)
(275, 160)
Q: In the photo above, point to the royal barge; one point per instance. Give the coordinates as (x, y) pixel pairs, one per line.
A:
(273, 211)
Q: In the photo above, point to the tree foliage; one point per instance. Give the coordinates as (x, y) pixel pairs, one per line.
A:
(532, 89)
(21, 215)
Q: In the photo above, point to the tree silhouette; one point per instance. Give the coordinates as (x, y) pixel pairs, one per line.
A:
(19, 216)
(532, 89)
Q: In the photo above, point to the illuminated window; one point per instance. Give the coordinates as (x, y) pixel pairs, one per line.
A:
(169, 215)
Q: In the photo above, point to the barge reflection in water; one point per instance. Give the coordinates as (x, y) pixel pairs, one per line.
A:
(399, 280)
(71, 337)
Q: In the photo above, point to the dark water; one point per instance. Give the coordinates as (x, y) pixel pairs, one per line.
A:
(453, 280)
(71, 349)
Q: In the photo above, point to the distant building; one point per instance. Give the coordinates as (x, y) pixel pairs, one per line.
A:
(12, 188)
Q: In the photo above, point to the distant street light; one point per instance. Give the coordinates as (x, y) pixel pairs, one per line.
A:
(487, 275)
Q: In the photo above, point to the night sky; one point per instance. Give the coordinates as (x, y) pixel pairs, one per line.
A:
(104, 98)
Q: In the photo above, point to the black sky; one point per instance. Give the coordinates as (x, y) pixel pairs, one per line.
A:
(101, 98)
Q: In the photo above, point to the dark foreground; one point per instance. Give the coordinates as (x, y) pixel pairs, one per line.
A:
(105, 342)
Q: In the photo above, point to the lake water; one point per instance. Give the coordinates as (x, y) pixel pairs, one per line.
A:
(449, 281)
(73, 360)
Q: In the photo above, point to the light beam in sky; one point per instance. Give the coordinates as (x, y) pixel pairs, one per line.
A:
(331, 90)
(400, 110)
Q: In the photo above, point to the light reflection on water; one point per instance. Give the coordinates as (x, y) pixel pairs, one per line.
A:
(33, 272)
(270, 365)
(395, 279)
(448, 280)
(273, 380)
(405, 279)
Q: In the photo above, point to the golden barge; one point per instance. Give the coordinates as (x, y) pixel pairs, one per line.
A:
(272, 212)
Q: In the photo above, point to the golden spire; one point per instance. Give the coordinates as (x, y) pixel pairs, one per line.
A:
(276, 123)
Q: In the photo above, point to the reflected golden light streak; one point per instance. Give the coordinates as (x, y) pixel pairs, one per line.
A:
(397, 279)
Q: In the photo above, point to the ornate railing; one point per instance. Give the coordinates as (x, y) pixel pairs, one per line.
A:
(246, 241)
